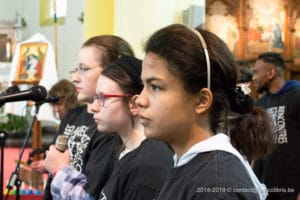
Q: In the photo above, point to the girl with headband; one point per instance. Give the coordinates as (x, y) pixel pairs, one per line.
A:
(190, 100)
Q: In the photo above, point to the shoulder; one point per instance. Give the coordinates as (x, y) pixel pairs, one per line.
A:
(295, 92)
(210, 175)
(151, 157)
(76, 112)
(79, 109)
(102, 140)
(154, 145)
(218, 168)
(155, 150)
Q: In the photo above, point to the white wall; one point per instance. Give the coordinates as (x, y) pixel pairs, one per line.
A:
(8, 9)
(70, 35)
(135, 21)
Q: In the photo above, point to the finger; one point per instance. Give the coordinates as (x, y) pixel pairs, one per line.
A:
(52, 147)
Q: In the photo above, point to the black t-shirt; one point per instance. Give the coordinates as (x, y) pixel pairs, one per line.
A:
(281, 169)
(140, 173)
(93, 153)
(210, 175)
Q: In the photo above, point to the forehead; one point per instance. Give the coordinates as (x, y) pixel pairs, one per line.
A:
(107, 85)
(262, 65)
(155, 66)
(89, 54)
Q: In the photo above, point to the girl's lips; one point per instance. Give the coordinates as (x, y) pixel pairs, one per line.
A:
(97, 120)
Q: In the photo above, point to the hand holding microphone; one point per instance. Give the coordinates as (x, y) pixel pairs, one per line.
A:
(57, 157)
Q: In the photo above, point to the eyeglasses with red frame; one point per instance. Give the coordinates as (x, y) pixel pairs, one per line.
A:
(101, 97)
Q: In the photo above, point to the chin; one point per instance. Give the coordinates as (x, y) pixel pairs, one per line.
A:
(100, 128)
(80, 98)
(152, 135)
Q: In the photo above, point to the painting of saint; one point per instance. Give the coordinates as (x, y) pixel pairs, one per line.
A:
(266, 22)
(31, 61)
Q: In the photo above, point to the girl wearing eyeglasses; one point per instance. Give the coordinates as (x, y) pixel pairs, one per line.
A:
(190, 100)
(142, 164)
(89, 151)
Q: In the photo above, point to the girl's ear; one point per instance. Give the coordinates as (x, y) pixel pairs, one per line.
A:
(204, 100)
(133, 107)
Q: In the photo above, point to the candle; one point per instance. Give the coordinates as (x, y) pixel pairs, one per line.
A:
(8, 49)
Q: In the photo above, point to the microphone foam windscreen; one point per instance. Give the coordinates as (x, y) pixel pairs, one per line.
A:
(61, 143)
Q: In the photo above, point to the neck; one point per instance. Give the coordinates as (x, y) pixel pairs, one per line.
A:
(132, 137)
(276, 85)
(195, 137)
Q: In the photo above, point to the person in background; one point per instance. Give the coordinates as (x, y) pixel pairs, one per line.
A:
(190, 100)
(280, 171)
(67, 99)
(89, 151)
(66, 92)
(142, 163)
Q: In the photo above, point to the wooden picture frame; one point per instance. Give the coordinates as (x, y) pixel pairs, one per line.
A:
(31, 62)
(251, 27)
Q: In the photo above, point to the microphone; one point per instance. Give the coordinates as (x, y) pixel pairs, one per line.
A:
(51, 99)
(61, 143)
(10, 90)
(36, 93)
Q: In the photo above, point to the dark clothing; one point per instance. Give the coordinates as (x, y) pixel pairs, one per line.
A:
(281, 169)
(209, 175)
(92, 153)
(140, 173)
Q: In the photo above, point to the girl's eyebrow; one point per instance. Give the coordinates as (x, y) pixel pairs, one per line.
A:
(150, 79)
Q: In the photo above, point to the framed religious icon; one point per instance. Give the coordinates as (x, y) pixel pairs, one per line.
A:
(31, 62)
(265, 27)
(251, 27)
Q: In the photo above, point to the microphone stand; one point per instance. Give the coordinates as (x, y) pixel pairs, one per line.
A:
(2, 142)
(14, 179)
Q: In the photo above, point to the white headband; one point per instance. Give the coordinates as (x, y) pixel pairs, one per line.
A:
(203, 43)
